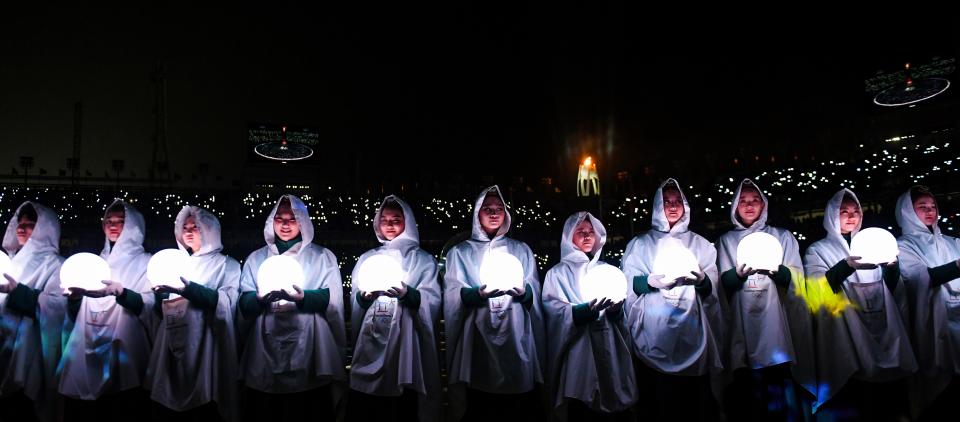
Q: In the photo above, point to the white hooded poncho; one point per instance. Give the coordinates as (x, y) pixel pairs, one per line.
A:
(108, 346)
(935, 310)
(194, 359)
(395, 346)
(287, 351)
(674, 331)
(865, 336)
(31, 343)
(767, 325)
(505, 356)
(591, 363)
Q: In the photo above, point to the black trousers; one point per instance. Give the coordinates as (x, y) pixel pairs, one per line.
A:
(121, 406)
(766, 394)
(487, 407)
(314, 405)
(367, 407)
(579, 411)
(665, 397)
(17, 407)
(868, 401)
(204, 413)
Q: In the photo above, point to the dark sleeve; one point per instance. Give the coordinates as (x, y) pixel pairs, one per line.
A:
(131, 300)
(732, 283)
(471, 297)
(23, 300)
(582, 314)
(891, 275)
(527, 299)
(365, 304)
(640, 286)
(943, 273)
(158, 299)
(202, 297)
(782, 277)
(705, 287)
(837, 274)
(250, 307)
(73, 307)
(411, 299)
(315, 301)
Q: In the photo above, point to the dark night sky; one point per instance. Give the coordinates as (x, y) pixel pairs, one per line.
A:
(527, 90)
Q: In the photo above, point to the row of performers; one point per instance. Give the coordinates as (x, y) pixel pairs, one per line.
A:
(826, 333)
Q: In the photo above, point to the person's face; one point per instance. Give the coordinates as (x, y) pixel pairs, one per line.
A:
(584, 238)
(926, 209)
(491, 214)
(749, 207)
(850, 216)
(113, 225)
(672, 206)
(285, 224)
(24, 229)
(191, 234)
(392, 223)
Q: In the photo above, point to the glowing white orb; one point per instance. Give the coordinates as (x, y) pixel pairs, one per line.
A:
(760, 251)
(875, 246)
(84, 270)
(501, 271)
(379, 273)
(603, 281)
(279, 272)
(166, 267)
(673, 260)
(6, 266)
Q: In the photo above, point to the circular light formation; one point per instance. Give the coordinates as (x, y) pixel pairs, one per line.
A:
(84, 270)
(281, 151)
(760, 251)
(911, 92)
(501, 271)
(6, 266)
(166, 267)
(603, 281)
(379, 273)
(279, 272)
(673, 260)
(875, 246)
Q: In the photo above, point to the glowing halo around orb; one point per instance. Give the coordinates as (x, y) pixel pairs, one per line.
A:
(84, 270)
(875, 246)
(673, 260)
(760, 251)
(501, 271)
(279, 272)
(166, 267)
(379, 273)
(603, 281)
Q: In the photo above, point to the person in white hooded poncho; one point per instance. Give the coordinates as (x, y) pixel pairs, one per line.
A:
(293, 343)
(395, 372)
(769, 334)
(862, 346)
(495, 340)
(31, 314)
(591, 373)
(930, 264)
(106, 353)
(194, 359)
(673, 323)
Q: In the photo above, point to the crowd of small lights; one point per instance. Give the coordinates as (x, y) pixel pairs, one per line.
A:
(457, 213)
(899, 161)
(534, 214)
